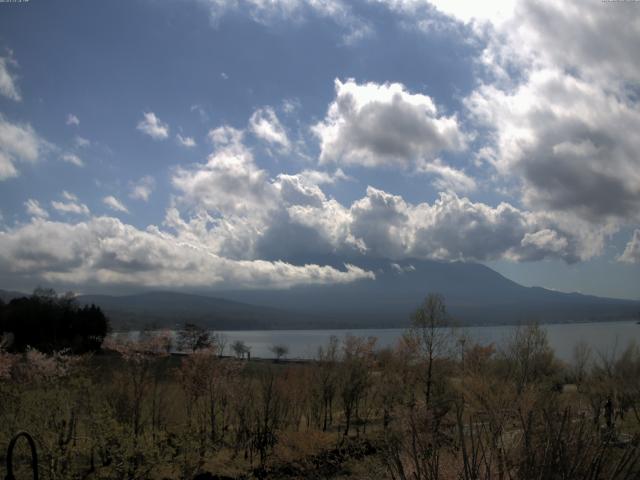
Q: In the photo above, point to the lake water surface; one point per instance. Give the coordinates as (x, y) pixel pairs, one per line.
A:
(608, 338)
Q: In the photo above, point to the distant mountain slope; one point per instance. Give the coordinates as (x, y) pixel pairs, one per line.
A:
(171, 309)
(473, 293)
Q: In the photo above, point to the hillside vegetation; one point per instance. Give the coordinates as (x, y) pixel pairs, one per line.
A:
(435, 406)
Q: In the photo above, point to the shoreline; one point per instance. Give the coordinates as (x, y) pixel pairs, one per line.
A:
(176, 328)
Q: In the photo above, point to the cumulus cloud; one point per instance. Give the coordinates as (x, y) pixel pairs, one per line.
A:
(226, 136)
(447, 178)
(73, 159)
(495, 12)
(594, 47)
(242, 212)
(384, 125)
(105, 251)
(455, 228)
(34, 209)
(72, 120)
(142, 189)
(420, 13)
(265, 125)
(232, 224)
(319, 177)
(18, 143)
(452, 228)
(151, 125)
(240, 208)
(631, 252)
(230, 182)
(565, 126)
(71, 205)
(114, 204)
(8, 81)
(185, 141)
(298, 190)
(562, 122)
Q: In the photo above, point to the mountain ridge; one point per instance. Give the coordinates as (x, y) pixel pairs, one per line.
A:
(474, 294)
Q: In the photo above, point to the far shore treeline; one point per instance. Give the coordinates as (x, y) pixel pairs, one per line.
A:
(49, 322)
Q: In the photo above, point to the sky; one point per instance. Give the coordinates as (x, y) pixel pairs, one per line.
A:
(215, 144)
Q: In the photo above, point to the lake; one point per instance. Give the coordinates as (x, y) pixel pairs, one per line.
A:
(606, 337)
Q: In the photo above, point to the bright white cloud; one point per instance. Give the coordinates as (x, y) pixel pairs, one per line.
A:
(230, 182)
(72, 205)
(298, 190)
(18, 143)
(73, 159)
(265, 125)
(496, 11)
(185, 141)
(383, 125)
(466, 11)
(105, 251)
(72, 120)
(454, 228)
(8, 81)
(34, 209)
(240, 209)
(241, 212)
(114, 204)
(142, 189)
(151, 125)
(319, 177)
(631, 253)
(447, 178)
(226, 136)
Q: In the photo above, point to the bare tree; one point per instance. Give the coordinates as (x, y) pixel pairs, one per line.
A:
(581, 362)
(220, 340)
(430, 334)
(241, 349)
(280, 351)
(528, 356)
(192, 337)
(356, 369)
(325, 380)
(269, 415)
